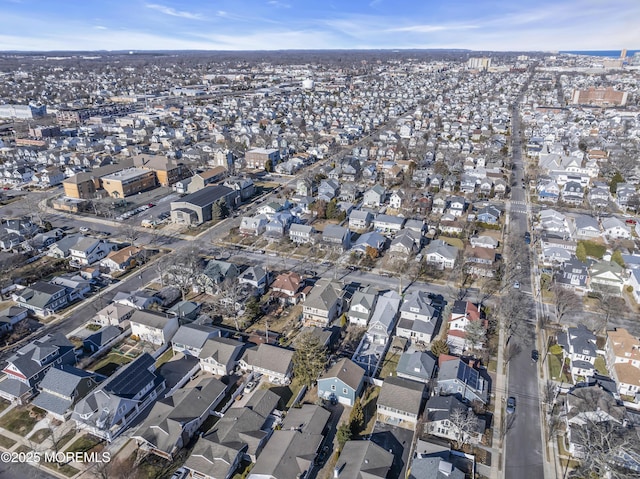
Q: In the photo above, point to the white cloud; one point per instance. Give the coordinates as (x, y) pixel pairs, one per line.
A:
(174, 13)
(100, 27)
(277, 4)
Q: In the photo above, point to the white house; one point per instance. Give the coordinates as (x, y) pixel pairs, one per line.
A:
(155, 328)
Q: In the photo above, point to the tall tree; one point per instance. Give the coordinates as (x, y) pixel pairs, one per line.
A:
(475, 334)
(565, 301)
(439, 346)
(309, 359)
(581, 252)
(464, 424)
(616, 257)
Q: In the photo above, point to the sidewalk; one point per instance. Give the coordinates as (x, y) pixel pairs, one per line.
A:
(500, 388)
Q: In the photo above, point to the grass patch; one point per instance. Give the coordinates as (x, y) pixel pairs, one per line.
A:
(20, 420)
(93, 327)
(84, 444)
(66, 438)
(456, 242)
(166, 356)
(492, 366)
(40, 435)
(593, 249)
(6, 442)
(555, 366)
(390, 364)
(65, 469)
(601, 366)
(4, 404)
(110, 363)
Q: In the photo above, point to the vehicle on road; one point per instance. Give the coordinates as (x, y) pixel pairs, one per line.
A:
(84, 229)
(511, 405)
(535, 355)
(518, 266)
(516, 285)
(527, 237)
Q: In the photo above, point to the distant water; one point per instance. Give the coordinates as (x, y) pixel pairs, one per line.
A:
(600, 53)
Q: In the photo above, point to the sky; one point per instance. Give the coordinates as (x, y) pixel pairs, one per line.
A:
(498, 25)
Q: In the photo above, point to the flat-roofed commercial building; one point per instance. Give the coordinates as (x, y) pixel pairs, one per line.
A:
(197, 207)
(128, 182)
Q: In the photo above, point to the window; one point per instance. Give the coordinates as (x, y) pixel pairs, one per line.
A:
(344, 390)
(333, 387)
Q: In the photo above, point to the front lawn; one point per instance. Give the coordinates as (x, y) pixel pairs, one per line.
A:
(84, 444)
(21, 420)
(40, 435)
(6, 442)
(555, 366)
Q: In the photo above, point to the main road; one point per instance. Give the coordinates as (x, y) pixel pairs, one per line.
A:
(523, 441)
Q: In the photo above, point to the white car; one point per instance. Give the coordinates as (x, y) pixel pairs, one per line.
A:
(516, 285)
(84, 229)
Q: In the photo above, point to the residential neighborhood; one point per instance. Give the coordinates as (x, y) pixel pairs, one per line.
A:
(390, 266)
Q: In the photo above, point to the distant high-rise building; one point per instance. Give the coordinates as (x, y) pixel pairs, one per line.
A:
(623, 53)
(479, 63)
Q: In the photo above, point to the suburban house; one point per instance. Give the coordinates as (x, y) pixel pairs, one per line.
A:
(290, 452)
(436, 467)
(480, 261)
(418, 318)
(489, 214)
(61, 387)
(586, 227)
(175, 419)
(439, 410)
(42, 298)
(615, 228)
(462, 314)
(220, 355)
(387, 224)
(574, 275)
(101, 339)
(89, 250)
(255, 276)
(154, 328)
(323, 305)
(417, 365)
(240, 434)
(579, 345)
(343, 382)
(408, 242)
(109, 409)
(369, 241)
(26, 368)
(302, 234)
(215, 274)
(114, 314)
(607, 277)
(400, 402)
(191, 338)
(121, 260)
(287, 287)
(483, 241)
(363, 459)
(441, 254)
(363, 302)
(460, 379)
(375, 196)
(623, 361)
(141, 299)
(253, 225)
(274, 362)
(360, 220)
(337, 236)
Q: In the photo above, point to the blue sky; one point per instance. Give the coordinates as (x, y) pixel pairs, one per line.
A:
(310, 24)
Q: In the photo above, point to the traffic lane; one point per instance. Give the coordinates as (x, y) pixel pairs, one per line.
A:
(20, 470)
(523, 449)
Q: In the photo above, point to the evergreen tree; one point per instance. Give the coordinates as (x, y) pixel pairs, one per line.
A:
(616, 257)
(343, 434)
(581, 252)
(357, 417)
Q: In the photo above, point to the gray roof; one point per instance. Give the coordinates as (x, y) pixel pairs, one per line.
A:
(582, 340)
(194, 335)
(386, 310)
(395, 220)
(418, 302)
(401, 394)
(322, 296)
(64, 379)
(434, 468)
(103, 336)
(263, 401)
(150, 319)
(29, 358)
(586, 221)
(335, 231)
(291, 451)
(442, 248)
(298, 228)
(417, 364)
(346, 371)
(223, 350)
(271, 358)
(39, 293)
(164, 425)
(360, 215)
(363, 460)
(52, 403)
(458, 370)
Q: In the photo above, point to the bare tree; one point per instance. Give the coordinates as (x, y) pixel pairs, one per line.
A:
(475, 334)
(609, 306)
(465, 425)
(607, 444)
(185, 268)
(565, 301)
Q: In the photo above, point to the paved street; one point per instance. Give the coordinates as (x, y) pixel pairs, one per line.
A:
(523, 442)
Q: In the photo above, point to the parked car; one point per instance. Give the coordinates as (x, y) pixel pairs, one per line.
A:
(250, 387)
(84, 229)
(516, 285)
(535, 355)
(511, 405)
(527, 237)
